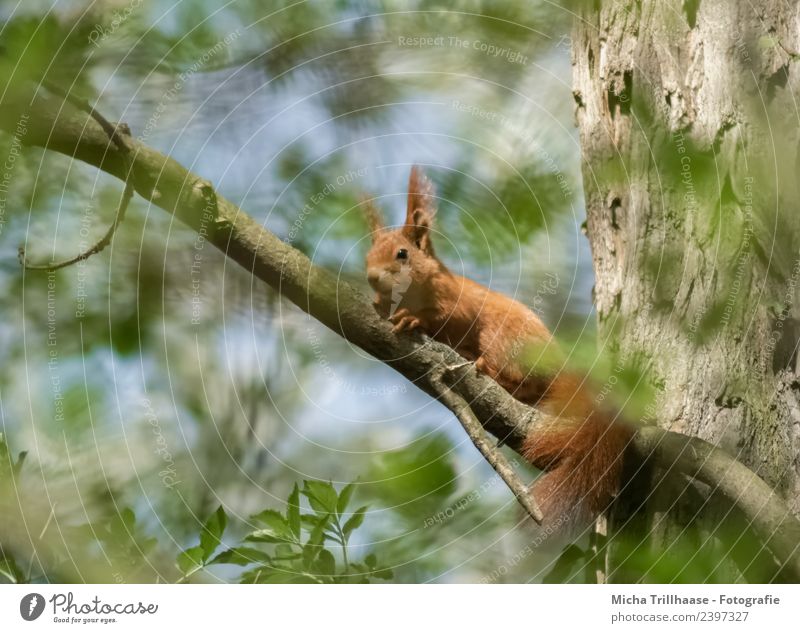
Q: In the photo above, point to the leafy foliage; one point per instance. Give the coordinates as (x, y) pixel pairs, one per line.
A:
(417, 481)
(295, 545)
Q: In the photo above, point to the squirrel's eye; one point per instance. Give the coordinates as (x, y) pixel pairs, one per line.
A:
(402, 254)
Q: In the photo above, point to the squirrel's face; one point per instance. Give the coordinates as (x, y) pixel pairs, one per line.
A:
(395, 262)
(402, 259)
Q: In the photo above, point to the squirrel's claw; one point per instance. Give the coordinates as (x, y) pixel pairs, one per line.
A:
(404, 321)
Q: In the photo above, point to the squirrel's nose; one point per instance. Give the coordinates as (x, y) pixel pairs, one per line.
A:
(374, 276)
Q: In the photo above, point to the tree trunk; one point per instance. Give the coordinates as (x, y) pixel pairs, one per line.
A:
(689, 129)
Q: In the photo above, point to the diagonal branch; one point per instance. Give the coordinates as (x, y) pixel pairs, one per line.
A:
(57, 125)
(491, 454)
(693, 457)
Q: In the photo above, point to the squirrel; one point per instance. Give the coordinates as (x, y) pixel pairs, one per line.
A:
(581, 453)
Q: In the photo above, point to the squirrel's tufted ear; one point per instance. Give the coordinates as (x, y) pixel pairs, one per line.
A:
(420, 209)
(372, 214)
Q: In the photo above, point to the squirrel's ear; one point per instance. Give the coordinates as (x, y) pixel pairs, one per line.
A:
(420, 209)
(372, 214)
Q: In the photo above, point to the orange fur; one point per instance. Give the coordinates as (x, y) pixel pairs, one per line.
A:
(581, 451)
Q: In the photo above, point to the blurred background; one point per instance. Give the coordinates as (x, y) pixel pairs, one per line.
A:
(147, 392)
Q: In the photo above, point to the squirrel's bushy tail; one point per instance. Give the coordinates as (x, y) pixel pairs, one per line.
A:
(581, 453)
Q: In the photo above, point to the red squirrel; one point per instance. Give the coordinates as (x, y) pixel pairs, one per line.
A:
(581, 452)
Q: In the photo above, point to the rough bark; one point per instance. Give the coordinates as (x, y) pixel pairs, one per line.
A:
(688, 126)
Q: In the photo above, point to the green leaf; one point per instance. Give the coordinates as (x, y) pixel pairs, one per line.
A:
(241, 556)
(293, 511)
(273, 575)
(383, 574)
(285, 551)
(310, 521)
(210, 537)
(321, 495)
(277, 529)
(253, 576)
(417, 480)
(371, 561)
(268, 535)
(344, 498)
(148, 544)
(190, 560)
(128, 519)
(355, 521)
(268, 574)
(326, 563)
(275, 521)
(317, 534)
(333, 536)
(314, 544)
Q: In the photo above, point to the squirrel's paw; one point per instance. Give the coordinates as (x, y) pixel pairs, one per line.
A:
(406, 324)
(404, 321)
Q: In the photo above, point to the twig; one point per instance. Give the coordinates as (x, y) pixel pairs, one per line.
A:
(459, 406)
(113, 134)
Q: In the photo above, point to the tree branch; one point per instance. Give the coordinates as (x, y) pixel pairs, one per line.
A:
(693, 457)
(57, 125)
(491, 454)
